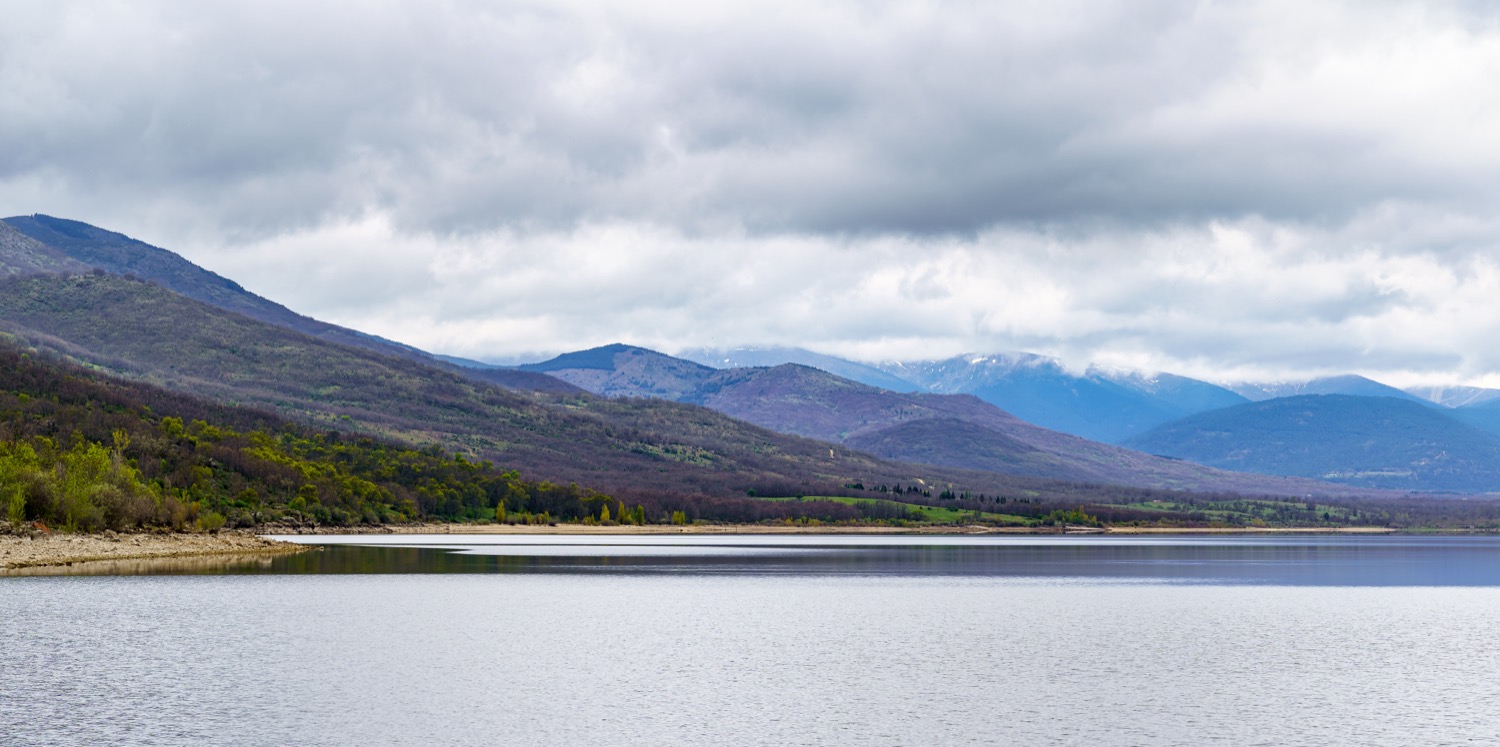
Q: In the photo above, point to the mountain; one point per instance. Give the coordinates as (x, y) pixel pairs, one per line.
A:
(959, 431)
(117, 254)
(1097, 405)
(1454, 396)
(1356, 386)
(769, 357)
(1378, 442)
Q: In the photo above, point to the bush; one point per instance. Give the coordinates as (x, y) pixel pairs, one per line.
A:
(211, 521)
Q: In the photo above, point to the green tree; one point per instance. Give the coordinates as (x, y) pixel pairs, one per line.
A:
(16, 506)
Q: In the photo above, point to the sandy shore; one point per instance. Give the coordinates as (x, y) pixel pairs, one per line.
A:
(38, 550)
(649, 529)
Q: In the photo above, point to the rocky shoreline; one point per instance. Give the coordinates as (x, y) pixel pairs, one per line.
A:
(39, 549)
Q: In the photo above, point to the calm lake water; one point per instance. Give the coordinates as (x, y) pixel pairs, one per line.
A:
(453, 640)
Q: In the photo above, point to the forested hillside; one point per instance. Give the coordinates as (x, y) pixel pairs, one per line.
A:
(81, 451)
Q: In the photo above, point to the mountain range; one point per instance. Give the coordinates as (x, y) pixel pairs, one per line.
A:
(956, 430)
(1169, 415)
(622, 418)
(201, 339)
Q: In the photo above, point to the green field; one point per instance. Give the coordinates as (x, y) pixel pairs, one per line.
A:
(934, 514)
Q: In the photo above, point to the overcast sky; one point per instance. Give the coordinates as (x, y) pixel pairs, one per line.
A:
(1228, 190)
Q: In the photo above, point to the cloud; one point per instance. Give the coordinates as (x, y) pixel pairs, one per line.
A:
(1257, 188)
(1234, 300)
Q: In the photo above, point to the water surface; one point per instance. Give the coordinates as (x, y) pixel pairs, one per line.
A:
(765, 640)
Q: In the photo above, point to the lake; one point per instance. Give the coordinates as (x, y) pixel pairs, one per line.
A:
(909, 640)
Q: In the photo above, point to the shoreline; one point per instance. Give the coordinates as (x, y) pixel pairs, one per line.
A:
(19, 552)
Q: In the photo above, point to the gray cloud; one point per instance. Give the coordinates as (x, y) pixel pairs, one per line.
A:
(1258, 188)
(906, 117)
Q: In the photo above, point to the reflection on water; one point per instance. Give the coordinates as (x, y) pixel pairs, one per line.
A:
(207, 565)
(1293, 560)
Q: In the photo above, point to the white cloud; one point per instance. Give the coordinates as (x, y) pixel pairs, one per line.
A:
(1233, 300)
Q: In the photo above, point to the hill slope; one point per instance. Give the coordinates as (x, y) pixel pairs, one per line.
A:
(1378, 442)
(22, 255)
(118, 254)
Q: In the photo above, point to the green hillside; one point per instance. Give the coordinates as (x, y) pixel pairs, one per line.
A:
(80, 452)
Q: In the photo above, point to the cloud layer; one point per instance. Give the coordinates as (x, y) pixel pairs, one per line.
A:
(1245, 189)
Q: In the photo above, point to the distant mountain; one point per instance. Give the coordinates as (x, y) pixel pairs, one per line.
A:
(1098, 405)
(626, 371)
(1179, 392)
(1454, 396)
(1378, 442)
(768, 357)
(1356, 386)
(943, 429)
